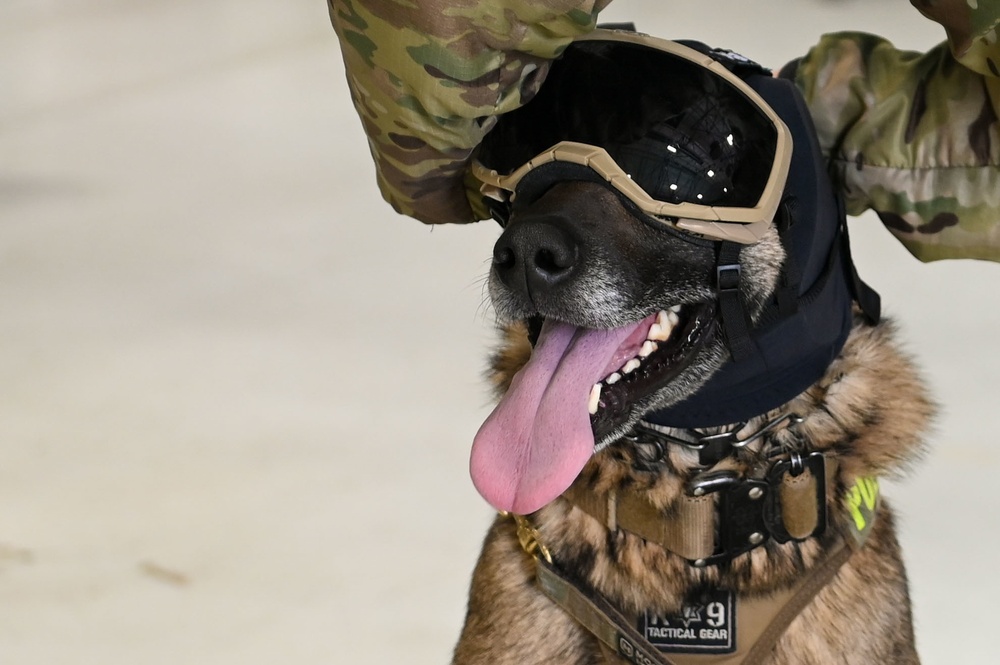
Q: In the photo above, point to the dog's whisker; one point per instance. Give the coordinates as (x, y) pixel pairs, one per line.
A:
(485, 303)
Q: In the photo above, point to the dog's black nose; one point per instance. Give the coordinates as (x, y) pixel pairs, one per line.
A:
(535, 256)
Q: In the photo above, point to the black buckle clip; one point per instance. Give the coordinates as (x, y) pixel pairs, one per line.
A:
(727, 277)
(750, 509)
(499, 210)
(741, 526)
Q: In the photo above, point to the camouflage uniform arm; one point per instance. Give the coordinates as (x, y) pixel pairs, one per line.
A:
(428, 78)
(914, 136)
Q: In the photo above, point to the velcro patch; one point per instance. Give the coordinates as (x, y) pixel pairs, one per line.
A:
(707, 625)
(739, 61)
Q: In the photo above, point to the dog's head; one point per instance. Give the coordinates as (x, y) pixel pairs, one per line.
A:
(626, 315)
(623, 234)
(631, 303)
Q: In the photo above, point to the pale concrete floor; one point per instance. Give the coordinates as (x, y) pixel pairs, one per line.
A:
(237, 392)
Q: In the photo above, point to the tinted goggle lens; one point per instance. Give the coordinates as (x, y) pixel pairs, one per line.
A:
(697, 143)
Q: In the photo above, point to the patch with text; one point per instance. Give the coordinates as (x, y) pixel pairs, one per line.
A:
(707, 625)
(633, 653)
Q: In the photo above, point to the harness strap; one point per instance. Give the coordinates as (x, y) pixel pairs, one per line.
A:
(803, 594)
(763, 620)
(689, 531)
(597, 615)
(787, 294)
(867, 297)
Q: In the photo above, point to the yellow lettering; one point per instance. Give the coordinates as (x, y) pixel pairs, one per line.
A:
(853, 500)
(869, 491)
(861, 501)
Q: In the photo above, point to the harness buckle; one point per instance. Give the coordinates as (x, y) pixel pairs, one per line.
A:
(751, 510)
(727, 277)
(740, 526)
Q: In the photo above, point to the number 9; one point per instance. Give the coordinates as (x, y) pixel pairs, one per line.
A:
(716, 614)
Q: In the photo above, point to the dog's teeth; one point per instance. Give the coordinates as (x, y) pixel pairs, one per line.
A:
(647, 349)
(658, 333)
(631, 366)
(676, 309)
(613, 379)
(673, 318)
(595, 398)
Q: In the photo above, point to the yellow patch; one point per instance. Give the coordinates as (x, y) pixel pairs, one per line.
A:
(861, 501)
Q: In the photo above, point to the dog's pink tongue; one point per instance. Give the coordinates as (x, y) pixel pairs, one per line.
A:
(536, 441)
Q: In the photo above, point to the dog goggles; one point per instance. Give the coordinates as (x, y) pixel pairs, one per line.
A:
(670, 128)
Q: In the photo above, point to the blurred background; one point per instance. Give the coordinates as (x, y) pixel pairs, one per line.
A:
(237, 392)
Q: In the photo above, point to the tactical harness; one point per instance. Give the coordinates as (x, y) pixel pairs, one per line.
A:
(721, 515)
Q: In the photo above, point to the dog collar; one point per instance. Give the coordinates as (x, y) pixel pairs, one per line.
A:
(722, 514)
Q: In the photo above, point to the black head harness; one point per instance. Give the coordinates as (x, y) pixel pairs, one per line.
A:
(806, 323)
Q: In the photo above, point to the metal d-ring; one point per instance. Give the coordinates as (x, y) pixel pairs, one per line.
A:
(637, 439)
(767, 429)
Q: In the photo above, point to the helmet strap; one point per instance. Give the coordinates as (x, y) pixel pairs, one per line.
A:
(735, 322)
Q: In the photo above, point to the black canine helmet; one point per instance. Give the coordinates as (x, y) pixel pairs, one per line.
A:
(707, 142)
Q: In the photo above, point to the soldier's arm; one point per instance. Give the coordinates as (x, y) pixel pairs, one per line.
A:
(914, 136)
(429, 78)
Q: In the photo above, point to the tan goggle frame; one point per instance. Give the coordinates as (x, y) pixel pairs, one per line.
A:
(744, 225)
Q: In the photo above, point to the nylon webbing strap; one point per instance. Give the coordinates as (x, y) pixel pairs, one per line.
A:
(867, 297)
(806, 590)
(791, 275)
(688, 531)
(799, 505)
(598, 616)
(762, 621)
(727, 287)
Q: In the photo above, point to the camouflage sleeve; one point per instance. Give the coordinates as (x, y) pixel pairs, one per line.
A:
(914, 136)
(428, 78)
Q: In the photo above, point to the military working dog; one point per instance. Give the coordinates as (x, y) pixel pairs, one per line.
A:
(867, 412)
(625, 539)
(691, 428)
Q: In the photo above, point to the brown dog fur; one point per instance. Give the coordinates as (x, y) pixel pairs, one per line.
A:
(869, 409)
(869, 412)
